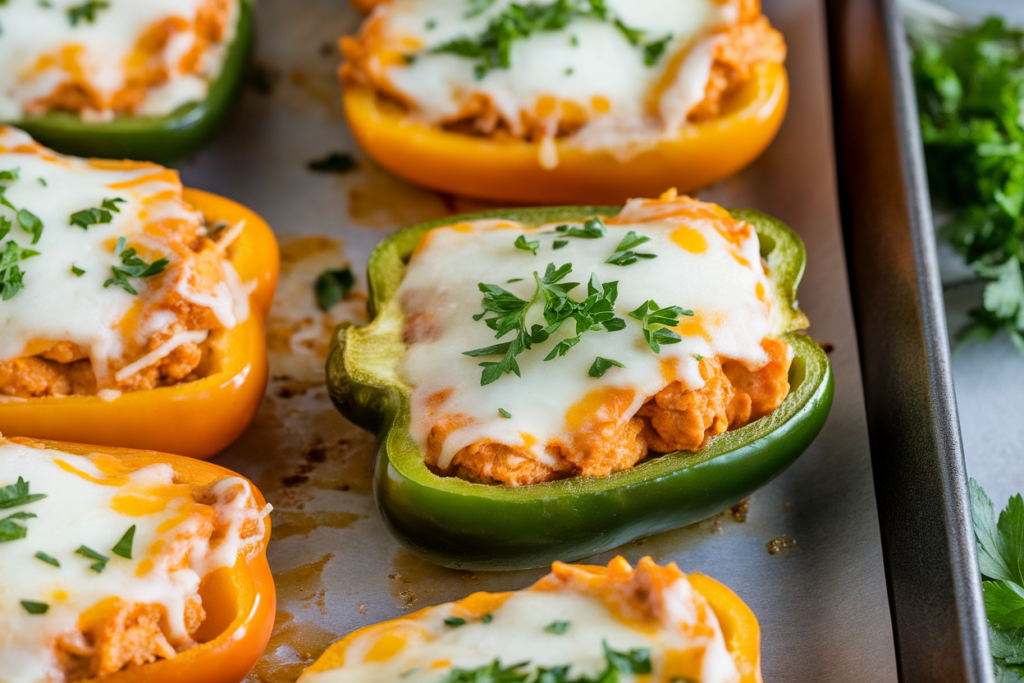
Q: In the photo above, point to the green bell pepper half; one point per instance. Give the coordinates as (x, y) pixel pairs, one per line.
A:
(465, 525)
(163, 139)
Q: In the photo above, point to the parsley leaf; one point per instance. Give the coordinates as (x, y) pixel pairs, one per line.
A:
(332, 286)
(504, 413)
(601, 366)
(593, 229)
(655, 49)
(11, 276)
(132, 266)
(124, 546)
(35, 607)
(47, 559)
(86, 11)
(558, 244)
(87, 217)
(532, 247)
(650, 314)
(557, 627)
(77, 271)
(9, 175)
(15, 495)
(487, 618)
(488, 673)
(31, 224)
(11, 530)
(101, 560)
(624, 255)
(454, 622)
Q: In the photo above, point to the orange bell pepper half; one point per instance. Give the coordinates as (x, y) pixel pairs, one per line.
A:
(240, 601)
(739, 625)
(510, 171)
(198, 418)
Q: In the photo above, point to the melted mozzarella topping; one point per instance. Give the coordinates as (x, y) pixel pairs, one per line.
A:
(86, 505)
(589, 62)
(717, 275)
(56, 305)
(40, 50)
(423, 649)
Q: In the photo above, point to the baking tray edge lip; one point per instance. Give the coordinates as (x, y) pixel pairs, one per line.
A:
(963, 581)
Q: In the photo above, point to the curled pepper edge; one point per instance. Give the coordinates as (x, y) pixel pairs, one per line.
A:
(161, 139)
(230, 655)
(216, 408)
(510, 171)
(739, 626)
(465, 525)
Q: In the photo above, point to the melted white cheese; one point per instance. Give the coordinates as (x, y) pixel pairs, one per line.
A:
(516, 634)
(55, 304)
(587, 59)
(731, 301)
(31, 30)
(81, 509)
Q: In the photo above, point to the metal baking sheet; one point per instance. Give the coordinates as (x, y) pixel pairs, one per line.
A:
(822, 602)
(920, 476)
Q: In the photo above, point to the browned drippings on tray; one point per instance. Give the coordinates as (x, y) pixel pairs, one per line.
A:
(289, 523)
(378, 199)
(293, 646)
(304, 584)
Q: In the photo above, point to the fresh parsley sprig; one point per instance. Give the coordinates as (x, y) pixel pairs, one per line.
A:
(972, 124)
(132, 266)
(657, 321)
(530, 246)
(1001, 561)
(17, 494)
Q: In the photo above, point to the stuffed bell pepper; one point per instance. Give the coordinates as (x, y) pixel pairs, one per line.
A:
(564, 101)
(120, 79)
(132, 311)
(124, 566)
(555, 382)
(578, 623)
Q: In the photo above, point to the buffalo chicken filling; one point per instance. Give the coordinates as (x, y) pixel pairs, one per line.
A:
(620, 376)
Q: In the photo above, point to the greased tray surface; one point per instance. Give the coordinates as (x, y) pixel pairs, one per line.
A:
(821, 603)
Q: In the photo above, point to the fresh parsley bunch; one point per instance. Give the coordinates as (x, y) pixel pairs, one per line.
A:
(970, 90)
(1001, 560)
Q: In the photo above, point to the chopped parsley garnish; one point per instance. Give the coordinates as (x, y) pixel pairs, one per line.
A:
(504, 413)
(47, 559)
(42, 181)
(431, 24)
(636, 661)
(454, 622)
(77, 271)
(594, 313)
(132, 266)
(17, 494)
(11, 276)
(531, 247)
(593, 229)
(972, 125)
(492, 48)
(515, 279)
(487, 618)
(1001, 561)
(87, 217)
(11, 530)
(698, 357)
(656, 321)
(35, 607)
(101, 560)
(335, 162)
(558, 244)
(124, 546)
(332, 286)
(655, 49)
(31, 224)
(558, 627)
(601, 366)
(568, 71)
(9, 175)
(624, 255)
(86, 11)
